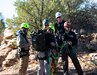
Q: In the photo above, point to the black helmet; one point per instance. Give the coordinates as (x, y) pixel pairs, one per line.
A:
(45, 22)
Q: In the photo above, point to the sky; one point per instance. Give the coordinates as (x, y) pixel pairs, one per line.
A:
(7, 8)
(94, 1)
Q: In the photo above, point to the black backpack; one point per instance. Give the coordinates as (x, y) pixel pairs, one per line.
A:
(38, 40)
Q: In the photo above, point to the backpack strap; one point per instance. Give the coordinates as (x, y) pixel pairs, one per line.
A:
(24, 36)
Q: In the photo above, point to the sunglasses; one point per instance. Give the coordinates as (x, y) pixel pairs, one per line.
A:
(46, 25)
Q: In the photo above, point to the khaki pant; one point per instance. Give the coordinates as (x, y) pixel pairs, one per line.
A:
(23, 65)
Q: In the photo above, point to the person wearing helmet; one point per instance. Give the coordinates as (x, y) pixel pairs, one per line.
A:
(23, 48)
(47, 26)
(43, 56)
(71, 38)
(59, 25)
(59, 30)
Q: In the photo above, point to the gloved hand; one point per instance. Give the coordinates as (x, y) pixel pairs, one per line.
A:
(68, 46)
(53, 45)
(69, 42)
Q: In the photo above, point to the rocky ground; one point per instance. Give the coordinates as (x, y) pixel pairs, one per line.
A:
(88, 63)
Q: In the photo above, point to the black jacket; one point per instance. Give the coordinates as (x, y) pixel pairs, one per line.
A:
(71, 36)
(59, 27)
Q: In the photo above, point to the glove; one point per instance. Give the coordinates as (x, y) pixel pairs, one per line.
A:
(53, 45)
(69, 42)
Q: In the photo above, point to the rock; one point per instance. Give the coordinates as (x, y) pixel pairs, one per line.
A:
(5, 41)
(34, 64)
(8, 34)
(5, 51)
(8, 43)
(93, 56)
(82, 31)
(8, 63)
(88, 42)
(12, 55)
(12, 43)
(11, 59)
(1, 38)
(92, 46)
(3, 54)
(3, 46)
(32, 57)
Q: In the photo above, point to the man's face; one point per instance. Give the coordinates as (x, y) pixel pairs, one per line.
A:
(59, 19)
(67, 28)
(46, 26)
(25, 30)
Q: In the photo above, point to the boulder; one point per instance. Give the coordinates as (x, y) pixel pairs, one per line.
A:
(8, 34)
(92, 45)
(88, 43)
(11, 59)
(12, 55)
(8, 63)
(3, 46)
(12, 43)
(3, 54)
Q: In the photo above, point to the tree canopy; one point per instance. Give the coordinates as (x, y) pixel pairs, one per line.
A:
(80, 12)
(2, 24)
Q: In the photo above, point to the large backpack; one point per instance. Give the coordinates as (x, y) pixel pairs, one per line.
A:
(38, 40)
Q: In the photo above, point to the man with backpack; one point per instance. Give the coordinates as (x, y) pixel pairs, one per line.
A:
(23, 48)
(43, 55)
